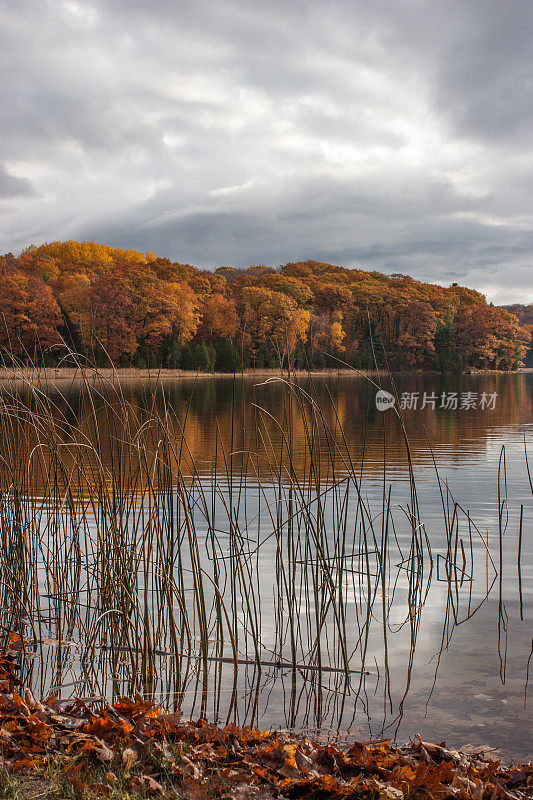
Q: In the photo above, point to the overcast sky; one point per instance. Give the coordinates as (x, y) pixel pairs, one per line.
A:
(386, 134)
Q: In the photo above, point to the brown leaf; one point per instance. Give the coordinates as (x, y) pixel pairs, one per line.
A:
(129, 758)
(146, 783)
(104, 753)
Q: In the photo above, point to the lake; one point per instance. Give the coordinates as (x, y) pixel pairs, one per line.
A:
(279, 555)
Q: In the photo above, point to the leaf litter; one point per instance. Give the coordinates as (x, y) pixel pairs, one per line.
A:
(159, 753)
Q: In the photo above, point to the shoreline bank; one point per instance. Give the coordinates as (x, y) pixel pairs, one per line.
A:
(51, 375)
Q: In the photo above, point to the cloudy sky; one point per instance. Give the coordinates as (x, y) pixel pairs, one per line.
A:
(388, 134)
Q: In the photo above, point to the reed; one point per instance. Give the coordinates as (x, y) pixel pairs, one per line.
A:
(125, 566)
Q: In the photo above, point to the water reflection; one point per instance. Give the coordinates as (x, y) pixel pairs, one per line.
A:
(349, 600)
(219, 410)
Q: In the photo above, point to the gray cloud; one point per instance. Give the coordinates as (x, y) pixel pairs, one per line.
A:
(11, 186)
(385, 135)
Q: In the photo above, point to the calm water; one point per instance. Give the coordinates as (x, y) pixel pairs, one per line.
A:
(456, 669)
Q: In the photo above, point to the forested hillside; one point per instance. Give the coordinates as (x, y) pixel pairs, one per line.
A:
(139, 309)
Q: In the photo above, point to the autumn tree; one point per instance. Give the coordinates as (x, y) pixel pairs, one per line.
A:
(218, 317)
(489, 337)
(29, 314)
(274, 318)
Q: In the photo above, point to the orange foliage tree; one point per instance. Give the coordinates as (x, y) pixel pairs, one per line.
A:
(135, 307)
(274, 318)
(29, 314)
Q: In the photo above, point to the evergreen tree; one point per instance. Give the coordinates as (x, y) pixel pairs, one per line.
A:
(187, 358)
(445, 349)
(172, 354)
(201, 358)
(226, 357)
(212, 353)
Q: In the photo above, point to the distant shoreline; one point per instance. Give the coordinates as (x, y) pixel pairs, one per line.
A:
(124, 374)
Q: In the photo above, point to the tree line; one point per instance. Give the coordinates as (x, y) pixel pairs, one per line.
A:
(138, 309)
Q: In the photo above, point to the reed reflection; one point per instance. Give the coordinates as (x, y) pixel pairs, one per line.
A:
(245, 552)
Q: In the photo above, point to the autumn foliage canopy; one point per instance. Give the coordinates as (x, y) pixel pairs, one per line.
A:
(135, 308)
